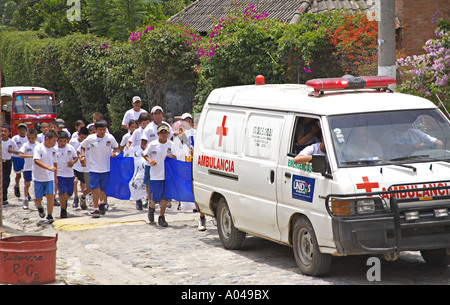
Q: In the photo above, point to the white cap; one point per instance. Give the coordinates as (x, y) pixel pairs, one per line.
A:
(186, 115)
(136, 99)
(156, 108)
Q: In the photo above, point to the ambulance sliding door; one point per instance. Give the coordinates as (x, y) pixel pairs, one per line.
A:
(258, 173)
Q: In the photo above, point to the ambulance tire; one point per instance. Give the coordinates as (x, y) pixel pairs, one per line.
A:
(306, 250)
(230, 237)
(437, 257)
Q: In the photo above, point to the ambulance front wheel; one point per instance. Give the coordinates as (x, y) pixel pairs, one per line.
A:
(230, 237)
(306, 250)
(437, 257)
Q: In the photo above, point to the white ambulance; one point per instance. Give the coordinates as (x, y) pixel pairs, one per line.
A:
(382, 187)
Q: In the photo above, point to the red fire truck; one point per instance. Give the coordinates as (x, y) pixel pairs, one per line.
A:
(30, 105)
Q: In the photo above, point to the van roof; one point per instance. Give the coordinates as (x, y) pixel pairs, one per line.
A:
(294, 98)
(8, 91)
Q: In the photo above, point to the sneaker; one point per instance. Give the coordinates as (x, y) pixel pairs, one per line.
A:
(151, 215)
(139, 205)
(29, 197)
(56, 203)
(102, 208)
(16, 191)
(83, 203)
(5, 202)
(162, 221)
(75, 202)
(50, 219)
(25, 204)
(202, 223)
(146, 204)
(41, 212)
(169, 204)
(63, 213)
(95, 214)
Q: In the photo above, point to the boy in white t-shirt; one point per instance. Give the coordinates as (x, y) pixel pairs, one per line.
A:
(132, 126)
(102, 145)
(66, 158)
(44, 130)
(133, 113)
(18, 163)
(150, 134)
(26, 152)
(80, 172)
(155, 153)
(44, 174)
(9, 148)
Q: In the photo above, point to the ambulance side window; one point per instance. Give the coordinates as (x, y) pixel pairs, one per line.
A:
(306, 132)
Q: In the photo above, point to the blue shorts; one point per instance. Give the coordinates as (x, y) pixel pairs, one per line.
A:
(157, 190)
(65, 185)
(18, 164)
(27, 176)
(147, 175)
(43, 188)
(98, 180)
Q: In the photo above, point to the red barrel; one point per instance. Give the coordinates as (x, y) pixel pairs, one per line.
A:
(28, 259)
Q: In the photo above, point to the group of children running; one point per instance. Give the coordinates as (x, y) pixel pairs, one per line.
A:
(55, 161)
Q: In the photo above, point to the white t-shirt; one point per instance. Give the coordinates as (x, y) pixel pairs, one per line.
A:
(150, 134)
(158, 151)
(132, 115)
(313, 149)
(135, 138)
(9, 144)
(65, 155)
(28, 149)
(77, 166)
(41, 137)
(100, 151)
(125, 139)
(19, 141)
(48, 157)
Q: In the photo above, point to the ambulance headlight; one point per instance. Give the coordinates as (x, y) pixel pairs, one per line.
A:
(365, 206)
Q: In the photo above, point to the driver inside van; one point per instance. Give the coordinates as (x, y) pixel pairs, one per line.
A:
(409, 140)
(314, 149)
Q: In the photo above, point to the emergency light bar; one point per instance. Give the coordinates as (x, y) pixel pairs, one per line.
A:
(350, 82)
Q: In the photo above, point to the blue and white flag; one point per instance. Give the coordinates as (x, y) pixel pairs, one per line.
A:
(126, 180)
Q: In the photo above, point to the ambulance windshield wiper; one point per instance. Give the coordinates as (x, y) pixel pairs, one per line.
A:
(413, 157)
(373, 161)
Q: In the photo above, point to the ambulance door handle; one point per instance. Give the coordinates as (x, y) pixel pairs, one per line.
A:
(272, 176)
(287, 175)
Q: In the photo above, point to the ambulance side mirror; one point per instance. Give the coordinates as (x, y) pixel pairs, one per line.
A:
(319, 165)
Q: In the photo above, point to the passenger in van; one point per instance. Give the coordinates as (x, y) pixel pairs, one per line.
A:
(306, 133)
(306, 154)
(360, 146)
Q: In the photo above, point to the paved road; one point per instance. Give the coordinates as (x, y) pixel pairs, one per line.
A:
(123, 248)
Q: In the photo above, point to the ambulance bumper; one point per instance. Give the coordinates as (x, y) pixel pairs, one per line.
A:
(379, 235)
(397, 228)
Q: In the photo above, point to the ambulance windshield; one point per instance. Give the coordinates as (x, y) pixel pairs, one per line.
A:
(390, 137)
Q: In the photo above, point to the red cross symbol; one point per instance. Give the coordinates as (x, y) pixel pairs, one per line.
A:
(368, 186)
(222, 131)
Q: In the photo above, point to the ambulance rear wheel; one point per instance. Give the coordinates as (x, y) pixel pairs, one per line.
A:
(230, 237)
(306, 250)
(437, 257)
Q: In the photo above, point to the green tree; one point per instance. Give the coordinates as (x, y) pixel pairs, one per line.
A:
(47, 15)
(127, 15)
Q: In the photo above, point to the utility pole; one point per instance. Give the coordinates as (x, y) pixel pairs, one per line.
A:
(386, 38)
